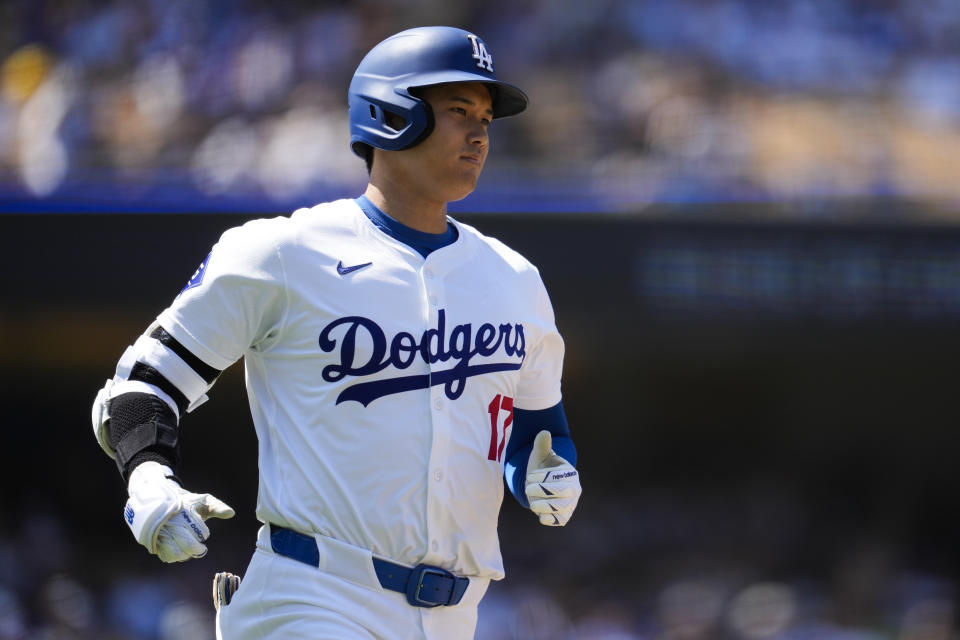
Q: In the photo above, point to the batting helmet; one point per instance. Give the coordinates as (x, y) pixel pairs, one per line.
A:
(414, 58)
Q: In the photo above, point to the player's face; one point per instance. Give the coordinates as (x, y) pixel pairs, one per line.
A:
(448, 163)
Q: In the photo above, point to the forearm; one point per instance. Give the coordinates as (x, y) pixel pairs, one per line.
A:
(142, 427)
(136, 415)
(139, 428)
(526, 426)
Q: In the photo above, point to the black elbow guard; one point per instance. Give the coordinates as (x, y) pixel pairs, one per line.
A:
(142, 428)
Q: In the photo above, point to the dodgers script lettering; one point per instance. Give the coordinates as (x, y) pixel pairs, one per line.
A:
(402, 350)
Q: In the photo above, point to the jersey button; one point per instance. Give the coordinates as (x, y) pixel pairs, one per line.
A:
(433, 300)
(438, 475)
(428, 273)
(438, 403)
(434, 545)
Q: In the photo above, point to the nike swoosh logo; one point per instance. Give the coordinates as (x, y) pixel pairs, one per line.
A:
(342, 270)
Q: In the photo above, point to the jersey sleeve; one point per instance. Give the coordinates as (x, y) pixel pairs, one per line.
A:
(539, 383)
(236, 300)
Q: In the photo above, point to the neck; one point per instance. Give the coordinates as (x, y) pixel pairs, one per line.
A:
(408, 207)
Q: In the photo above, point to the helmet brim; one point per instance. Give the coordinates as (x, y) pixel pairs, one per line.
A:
(508, 100)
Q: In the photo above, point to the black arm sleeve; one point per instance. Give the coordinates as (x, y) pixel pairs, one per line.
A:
(142, 427)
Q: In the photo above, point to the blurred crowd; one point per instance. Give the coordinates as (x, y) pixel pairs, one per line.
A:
(633, 101)
(704, 567)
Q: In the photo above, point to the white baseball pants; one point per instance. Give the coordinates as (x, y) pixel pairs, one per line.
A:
(283, 599)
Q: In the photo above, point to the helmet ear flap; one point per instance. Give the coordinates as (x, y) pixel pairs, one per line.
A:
(390, 126)
(428, 126)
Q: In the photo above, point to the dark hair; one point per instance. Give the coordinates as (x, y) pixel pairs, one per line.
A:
(367, 152)
(395, 122)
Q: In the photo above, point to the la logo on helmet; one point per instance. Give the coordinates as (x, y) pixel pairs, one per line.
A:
(480, 54)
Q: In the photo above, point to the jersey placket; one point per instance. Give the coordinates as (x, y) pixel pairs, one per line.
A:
(437, 487)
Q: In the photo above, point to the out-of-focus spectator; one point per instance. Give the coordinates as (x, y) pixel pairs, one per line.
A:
(761, 611)
(187, 620)
(68, 608)
(137, 605)
(12, 622)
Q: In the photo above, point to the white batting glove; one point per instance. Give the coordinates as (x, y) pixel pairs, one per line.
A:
(167, 519)
(553, 484)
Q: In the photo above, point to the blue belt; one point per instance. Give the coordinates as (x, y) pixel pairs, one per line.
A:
(424, 585)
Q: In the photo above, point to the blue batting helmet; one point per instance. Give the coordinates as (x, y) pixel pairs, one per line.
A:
(414, 58)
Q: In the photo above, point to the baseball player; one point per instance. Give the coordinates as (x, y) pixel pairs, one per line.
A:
(398, 364)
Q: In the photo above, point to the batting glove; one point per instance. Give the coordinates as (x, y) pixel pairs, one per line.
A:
(553, 484)
(167, 519)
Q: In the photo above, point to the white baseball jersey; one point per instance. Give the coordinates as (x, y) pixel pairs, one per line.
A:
(381, 383)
